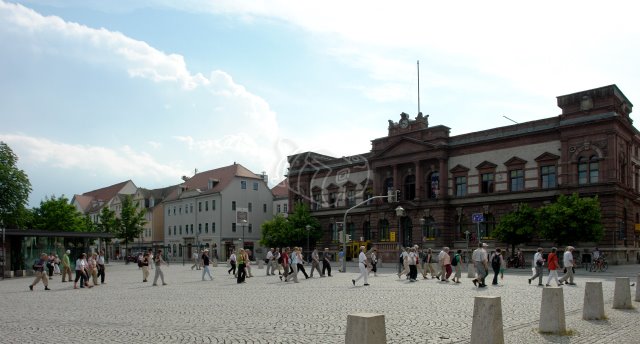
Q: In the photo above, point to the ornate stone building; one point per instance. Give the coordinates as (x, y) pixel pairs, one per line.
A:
(454, 189)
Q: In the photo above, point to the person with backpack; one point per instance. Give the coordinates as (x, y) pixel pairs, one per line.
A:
(41, 275)
(496, 263)
(455, 263)
(481, 264)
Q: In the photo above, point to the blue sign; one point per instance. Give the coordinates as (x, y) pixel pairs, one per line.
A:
(477, 217)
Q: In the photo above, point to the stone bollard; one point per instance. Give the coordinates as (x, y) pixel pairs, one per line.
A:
(622, 294)
(593, 307)
(486, 327)
(552, 318)
(638, 289)
(261, 264)
(366, 328)
(471, 271)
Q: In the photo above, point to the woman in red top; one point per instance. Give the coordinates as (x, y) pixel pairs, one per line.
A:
(553, 267)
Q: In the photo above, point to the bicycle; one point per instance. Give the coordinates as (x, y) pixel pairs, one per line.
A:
(599, 265)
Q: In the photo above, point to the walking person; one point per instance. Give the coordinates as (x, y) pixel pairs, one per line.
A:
(93, 268)
(269, 261)
(481, 263)
(293, 263)
(157, 259)
(101, 268)
(50, 262)
(150, 252)
(41, 274)
(301, 263)
(538, 260)
(496, 263)
(247, 253)
(456, 263)
(315, 262)
(374, 262)
(326, 262)
(441, 269)
(241, 258)
(284, 261)
(205, 264)
(232, 261)
(340, 259)
(196, 263)
(428, 264)
(66, 266)
(552, 265)
(404, 262)
(412, 261)
(145, 266)
(569, 263)
(277, 261)
(446, 265)
(362, 265)
(81, 274)
(56, 265)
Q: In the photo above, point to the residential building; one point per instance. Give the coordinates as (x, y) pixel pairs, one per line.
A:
(221, 209)
(453, 190)
(281, 198)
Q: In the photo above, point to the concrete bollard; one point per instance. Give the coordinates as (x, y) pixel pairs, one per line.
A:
(552, 317)
(593, 306)
(366, 328)
(471, 271)
(487, 321)
(622, 294)
(638, 289)
(261, 264)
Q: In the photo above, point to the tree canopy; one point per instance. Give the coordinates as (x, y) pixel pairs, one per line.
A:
(14, 189)
(58, 214)
(570, 219)
(516, 227)
(292, 230)
(130, 224)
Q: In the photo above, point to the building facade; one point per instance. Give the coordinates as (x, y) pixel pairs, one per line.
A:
(453, 190)
(221, 209)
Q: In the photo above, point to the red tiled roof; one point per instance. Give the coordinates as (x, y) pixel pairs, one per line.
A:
(83, 201)
(281, 190)
(221, 177)
(94, 200)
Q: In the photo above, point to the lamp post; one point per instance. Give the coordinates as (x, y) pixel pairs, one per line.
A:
(243, 223)
(466, 235)
(308, 227)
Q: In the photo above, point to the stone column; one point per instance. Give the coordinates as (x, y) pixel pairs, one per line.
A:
(486, 327)
(552, 316)
(638, 289)
(593, 305)
(366, 328)
(622, 294)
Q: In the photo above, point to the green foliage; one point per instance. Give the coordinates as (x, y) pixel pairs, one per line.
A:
(570, 219)
(58, 214)
(291, 231)
(108, 222)
(130, 224)
(14, 189)
(516, 227)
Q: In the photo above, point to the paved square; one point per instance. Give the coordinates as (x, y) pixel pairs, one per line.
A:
(265, 310)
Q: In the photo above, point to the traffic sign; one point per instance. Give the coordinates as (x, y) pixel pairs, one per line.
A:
(477, 217)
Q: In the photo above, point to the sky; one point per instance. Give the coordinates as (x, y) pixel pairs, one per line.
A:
(93, 93)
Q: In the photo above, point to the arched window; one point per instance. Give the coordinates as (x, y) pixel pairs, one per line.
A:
(409, 188)
(594, 167)
(588, 170)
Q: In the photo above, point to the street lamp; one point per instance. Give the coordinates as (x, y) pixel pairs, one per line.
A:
(308, 227)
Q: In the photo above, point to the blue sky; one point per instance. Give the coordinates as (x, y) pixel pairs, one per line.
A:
(93, 93)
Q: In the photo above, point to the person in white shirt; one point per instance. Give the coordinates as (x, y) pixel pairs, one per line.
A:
(567, 260)
(481, 263)
(101, 266)
(232, 263)
(404, 258)
(269, 261)
(196, 263)
(538, 261)
(412, 260)
(362, 264)
(81, 274)
(441, 269)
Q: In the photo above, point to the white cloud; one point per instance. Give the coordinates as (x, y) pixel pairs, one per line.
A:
(124, 162)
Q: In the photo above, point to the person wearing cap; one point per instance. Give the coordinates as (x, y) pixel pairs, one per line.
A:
(39, 267)
(481, 263)
(66, 266)
(567, 260)
(205, 264)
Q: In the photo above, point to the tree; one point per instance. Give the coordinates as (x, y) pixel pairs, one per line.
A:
(516, 227)
(107, 223)
(14, 189)
(570, 219)
(57, 214)
(130, 224)
(292, 230)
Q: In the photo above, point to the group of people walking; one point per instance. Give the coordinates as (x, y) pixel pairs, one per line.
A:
(553, 266)
(87, 266)
(150, 260)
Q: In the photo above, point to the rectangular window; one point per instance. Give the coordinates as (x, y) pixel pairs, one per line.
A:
(243, 184)
(332, 199)
(192, 228)
(191, 208)
(233, 227)
(213, 227)
(180, 210)
(250, 228)
(199, 206)
(487, 183)
(169, 230)
(180, 228)
(206, 227)
(461, 186)
(351, 198)
(285, 208)
(317, 201)
(517, 180)
(250, 206)
(255, 186)
(206, 205)
(278, 209)
(233, 205)
(548, 177)
(264, 207)
(199, 228)
(213, 204)
(168, 212)
(174, 210)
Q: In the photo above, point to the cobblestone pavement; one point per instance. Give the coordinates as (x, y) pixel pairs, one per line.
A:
(265, 310)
